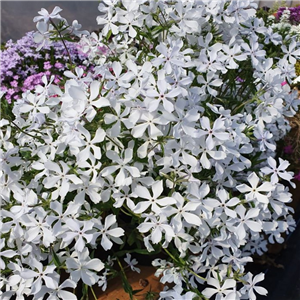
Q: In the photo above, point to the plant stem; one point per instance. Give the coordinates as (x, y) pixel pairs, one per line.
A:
(94, 295)
(170, 254)
(191, 271)
(197, 275)
(19, 128)
(62, 39)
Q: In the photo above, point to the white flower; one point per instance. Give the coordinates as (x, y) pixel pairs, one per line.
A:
(79, 234)
(90, 189)
(219, 290)
(95, 101)
(117, 119)
(37, 229)
(244, 221)
(233, 52)
(254, 192)
(210, 61)
(25, 202)
(83, 267)
(157, 225)
(169, 56)
(108, 23)
(42, 275)
(129, 20)
(254, 51)
(61, 216)
(45, 16)
(5, 253)
(279, 171)
(42, 37)
(149, 121)
(291, 53)
(131, 263)
(155, 200)
(34, 104)
(161, 95)
(60, 177)
(209, 83)
(182, 213)
(89, 143)
(126, 172)
(251, 287)
(263, 136)
(223, 204)
(59, 292)
(214, 134)
(109, 231)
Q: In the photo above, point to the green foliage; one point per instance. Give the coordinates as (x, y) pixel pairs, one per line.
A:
(276, 5)
(262, 13)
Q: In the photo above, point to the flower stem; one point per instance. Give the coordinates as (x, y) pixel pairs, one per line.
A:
(20, 129)
(94, 295)
(62, 39)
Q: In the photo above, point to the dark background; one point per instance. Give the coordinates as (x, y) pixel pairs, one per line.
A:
(17, 16)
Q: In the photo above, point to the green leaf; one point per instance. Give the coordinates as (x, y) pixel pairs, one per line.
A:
(55, 258)
(131, 238)
(108, 35)
(134, 292)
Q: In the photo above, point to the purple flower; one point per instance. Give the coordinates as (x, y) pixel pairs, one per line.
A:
(239, 79)
(47, 65)
(297, 177)
(59, 66)
(14, 83)
(22, 67)
(288, 149)
(294, 18)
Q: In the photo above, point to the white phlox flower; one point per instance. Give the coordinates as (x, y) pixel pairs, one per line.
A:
(252, 287)
(215, 135)
(158, 226)
(42, 275)
(278, 171)
(256, 191)
(131, 263)
(109, 232)
(80, 231)
(81, 266)
(126, 172)
(155, 201)
(45, 15)
(218, 289)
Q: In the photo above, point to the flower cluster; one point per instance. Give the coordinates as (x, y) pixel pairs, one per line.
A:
(289, 14)
(286, 20)
(166, 146)
(22, 67)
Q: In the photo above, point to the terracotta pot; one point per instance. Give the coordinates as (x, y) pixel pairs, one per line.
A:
(144, 281)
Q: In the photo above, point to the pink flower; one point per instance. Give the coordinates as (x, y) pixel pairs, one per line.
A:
(14, 83)
(47, 65)
(103, 50)
(59, 66)
(297, 177)
(283, 83)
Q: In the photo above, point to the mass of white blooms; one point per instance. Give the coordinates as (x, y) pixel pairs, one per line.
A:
(168, 146)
